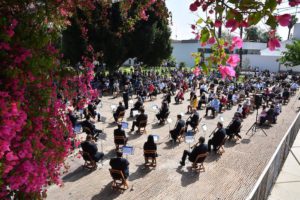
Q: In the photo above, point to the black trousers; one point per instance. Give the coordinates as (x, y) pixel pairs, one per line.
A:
(174, 134)
(212, 110)
(184, 155)
(134, 123)
(210, 142)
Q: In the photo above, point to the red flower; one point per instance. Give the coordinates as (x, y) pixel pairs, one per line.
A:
(218, 23)
(193, 7)
(232, 23)
(284, 20)
(273, 43)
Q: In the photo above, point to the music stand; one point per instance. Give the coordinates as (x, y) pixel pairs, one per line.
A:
(255, 126)
(189, 138)
(128, 150)
(124, 125)
(156, 138)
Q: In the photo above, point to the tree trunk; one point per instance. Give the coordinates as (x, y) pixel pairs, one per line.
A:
(289, 33)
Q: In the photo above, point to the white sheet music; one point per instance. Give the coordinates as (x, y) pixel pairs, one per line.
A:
(169, 120)
(128, 150)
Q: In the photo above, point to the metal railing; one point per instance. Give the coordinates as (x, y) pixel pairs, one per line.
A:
(267, 179)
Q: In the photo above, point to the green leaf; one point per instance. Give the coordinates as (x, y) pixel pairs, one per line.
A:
(271, 22)
(254, 18)
(199, 21)
(272, 4)
(204, 35)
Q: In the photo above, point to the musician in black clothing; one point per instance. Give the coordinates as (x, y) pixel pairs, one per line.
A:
(90, 147)
(137, 106)
(218, 137)
(140, 117)
(150, 145)
(179, 125)
(193, 120)
(119, 132)
(119, 109)
(87, 123)
(234, 127)
(199, 149)
(126, 96)
(163, 111)
(120, 163)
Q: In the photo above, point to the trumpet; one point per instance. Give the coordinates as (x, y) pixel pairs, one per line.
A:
(213, 131)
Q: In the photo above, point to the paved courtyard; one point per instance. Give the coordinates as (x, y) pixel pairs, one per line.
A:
(230, 176)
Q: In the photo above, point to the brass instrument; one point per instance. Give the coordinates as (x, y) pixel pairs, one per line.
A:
(213, 131)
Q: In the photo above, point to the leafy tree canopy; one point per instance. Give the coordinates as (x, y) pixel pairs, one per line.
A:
(291, 57)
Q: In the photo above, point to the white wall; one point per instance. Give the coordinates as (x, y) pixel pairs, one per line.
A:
(263, 62)
(296, 34)
(182, 52)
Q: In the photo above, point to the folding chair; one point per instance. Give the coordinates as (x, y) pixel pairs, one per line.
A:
(89, 163)
(195, 128)
(142, 127)
(198, 163)
(220, 148)
(119, 182)
(181, 134)
(150, 153)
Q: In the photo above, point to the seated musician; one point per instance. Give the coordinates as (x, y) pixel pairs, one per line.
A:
(140, 117)
(223, 102)
(88, 124)
(193, 120)
(214, 106)
(90, 147)
(234, 126)
(92, 111)
(193, 103)
(164, 110)
(270, 116)
(120, 163)
(218, 137)
(179, 125)
(150, 145)
(201, 101)
(201, 148)
(119, 132)
(179, 96)
(137, 106)
(119, 109)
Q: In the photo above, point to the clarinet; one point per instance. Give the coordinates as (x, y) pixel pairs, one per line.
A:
(213, 132)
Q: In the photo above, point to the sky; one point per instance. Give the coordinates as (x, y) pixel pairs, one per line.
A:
(182, 19)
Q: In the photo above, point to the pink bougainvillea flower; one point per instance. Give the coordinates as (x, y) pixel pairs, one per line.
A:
(233, 24)
(143, 15)
(233, 60)
(218, 23)
(237, 41)
(193, 26)
(211, 40)
(226, 71)
(273, 43)
(196, 71)
(244, 23)
(284, 20)
(11, 157)
(197, 37)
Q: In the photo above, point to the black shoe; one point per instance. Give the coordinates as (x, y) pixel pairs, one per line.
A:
(181, 163)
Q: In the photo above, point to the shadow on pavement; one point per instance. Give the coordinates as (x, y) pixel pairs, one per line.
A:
(187, 177)
(140, 172)
(107, 193)
(77, 174)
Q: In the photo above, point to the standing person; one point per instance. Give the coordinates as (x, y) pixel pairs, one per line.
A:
(199, 149)
(126, 96)
(120, 163)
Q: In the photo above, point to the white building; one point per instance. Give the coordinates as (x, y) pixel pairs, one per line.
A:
(254, 54)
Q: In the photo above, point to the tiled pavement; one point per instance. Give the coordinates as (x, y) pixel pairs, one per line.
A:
(230, 176)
